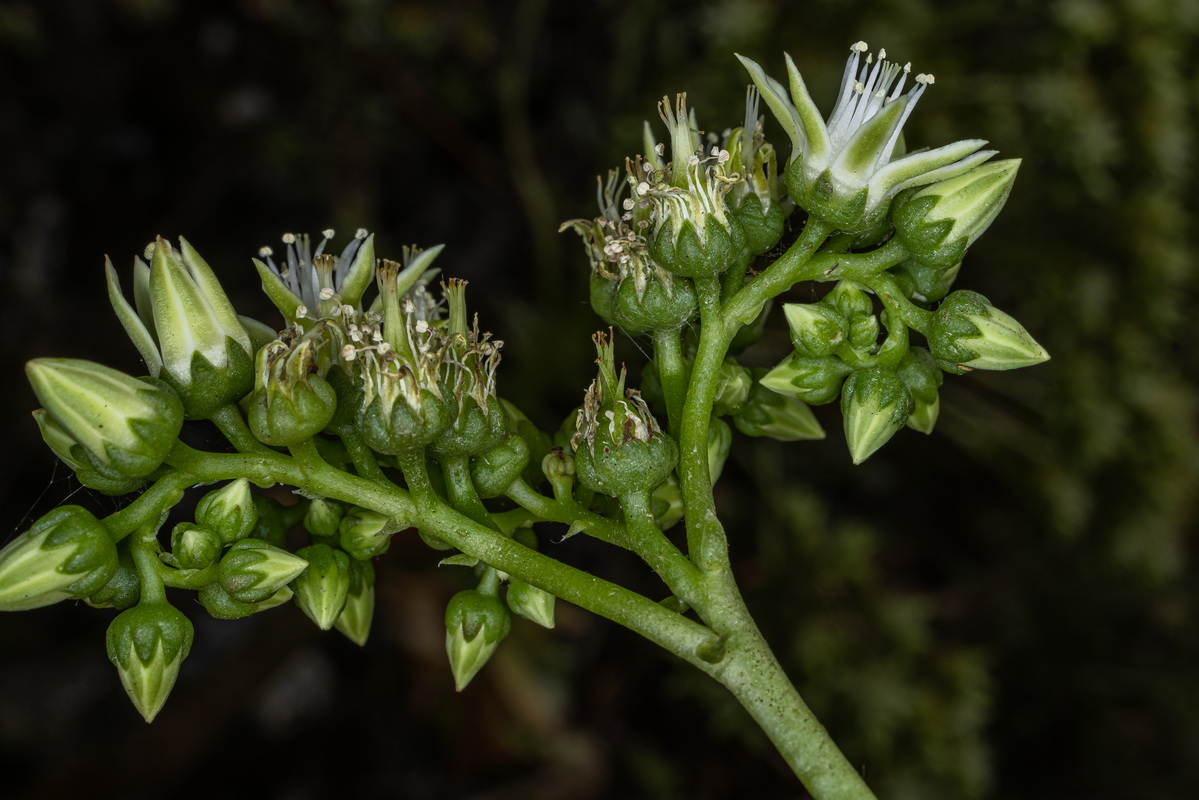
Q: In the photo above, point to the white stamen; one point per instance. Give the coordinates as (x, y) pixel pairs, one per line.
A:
(265, 252)
(327, 233)
(858, 47)
(289, 238)
(361, 233)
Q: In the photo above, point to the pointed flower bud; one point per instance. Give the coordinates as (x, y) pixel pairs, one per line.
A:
(694, 233)
(356, 617)
(222, 605)
(875, 405)
(186, 329)
(939, 221)
(817, 329)
(72, 454)
(365, 534)
(124, 426)
(252, 570)
(323, 517)
(500, 467)
(194, 547)
(309, 285)
(147, 645)
(782, 417)
(475, 623)
(229, 511)
(67, 553)
(920, 373)
(815, 381)
(619, 447)
(525, 599)
(846, 170)
(969, 333)
(321, 589)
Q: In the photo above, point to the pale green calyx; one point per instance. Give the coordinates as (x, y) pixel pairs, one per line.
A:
(355, 619)
(126, 425)
(845, 170)
(969, 333)
(66, 553)
(309, 285)
(182, 311)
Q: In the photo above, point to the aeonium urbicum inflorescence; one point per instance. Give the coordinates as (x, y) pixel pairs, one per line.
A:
(377, 402)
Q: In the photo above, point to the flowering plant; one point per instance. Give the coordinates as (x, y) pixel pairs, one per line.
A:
(378, 402)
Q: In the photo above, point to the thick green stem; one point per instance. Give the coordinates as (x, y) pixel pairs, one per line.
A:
(568, 512)
(363, 457)
(672, 373)
(463, 496)
(150, 508)
(656, 550)
(145, 561)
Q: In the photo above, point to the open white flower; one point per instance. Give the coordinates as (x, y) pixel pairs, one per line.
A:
(844, 171)
(312, 285)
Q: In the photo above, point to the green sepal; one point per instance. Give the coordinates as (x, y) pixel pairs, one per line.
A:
(654, 308)
(322, 588)
(688, 254)
(762, 229)
(214, 387)
(221, 605)
(815, 381)
(923, 284)
(87, 470)
(969, 333)
(817, 329)
(282, 417)
(323, 517)
(404, 429)
(124, 588)
(67, 553)
(147, 645)
(617, 469)
(473, 430)
(348, 406)
(194, 546)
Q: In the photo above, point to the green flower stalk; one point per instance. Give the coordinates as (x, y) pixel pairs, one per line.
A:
(123, 426)
(309, 285)
(68, 553)
(147, 645)
(185, 328)
(937, 223)
(969, 333)
(846, 170)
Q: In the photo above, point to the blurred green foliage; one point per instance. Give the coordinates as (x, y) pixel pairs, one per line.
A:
(1004, 609)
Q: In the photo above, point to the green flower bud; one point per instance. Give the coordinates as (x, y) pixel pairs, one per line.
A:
(475, 623)
(186, 329)
(147, 645)
(231, 511)
(290, 402)
(558, 466)
(938, 222)
(72, 454)
(969, 333)
(782, 417)
(67, 553)
(323, 517)
(500, 467)
(922, 376)
(194, 547)
(850, 300)
(525, 599)
(365, 534)
(720, 441)
(618, 445)
(815, 381)
(817, 330)
(667, 503)
(733, 385)
(124, 426)
(538, 441)
(355, 619)
(846, 170)
(321, 589)
(863, 332)
(924, 284)
(875, 405)
(222, 605)
(253, 570)
(124, 589)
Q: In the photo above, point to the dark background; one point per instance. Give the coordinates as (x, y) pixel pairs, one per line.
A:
(1005, 609)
